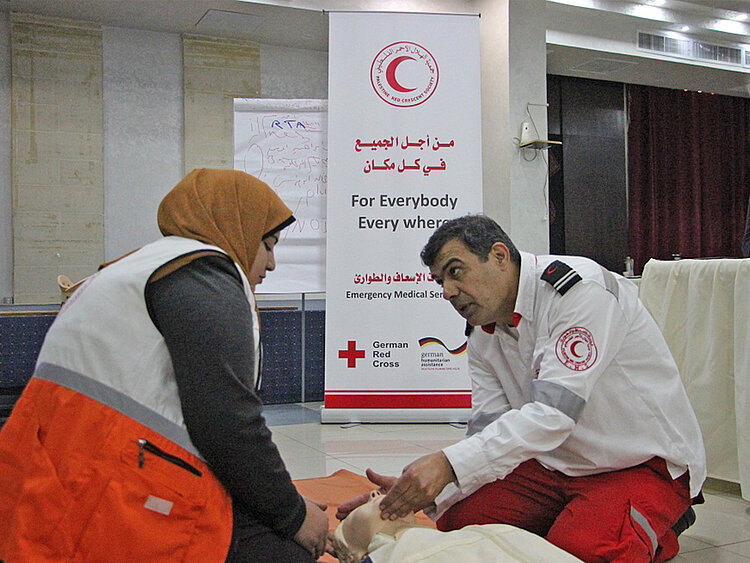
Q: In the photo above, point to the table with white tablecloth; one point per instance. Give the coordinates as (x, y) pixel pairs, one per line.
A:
(703, 309)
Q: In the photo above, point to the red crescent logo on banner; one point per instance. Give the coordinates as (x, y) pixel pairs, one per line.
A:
(390, 74)
(576, 349)
(421, 74)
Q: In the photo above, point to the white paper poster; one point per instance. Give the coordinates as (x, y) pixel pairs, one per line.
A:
(404, 143)
(283, 142)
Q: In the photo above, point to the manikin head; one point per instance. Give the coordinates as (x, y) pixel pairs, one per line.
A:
(355, 532)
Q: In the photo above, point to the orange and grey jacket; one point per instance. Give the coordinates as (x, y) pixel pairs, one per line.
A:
(96, 463)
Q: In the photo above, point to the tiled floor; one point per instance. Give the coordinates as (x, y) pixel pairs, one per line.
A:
(721, 533)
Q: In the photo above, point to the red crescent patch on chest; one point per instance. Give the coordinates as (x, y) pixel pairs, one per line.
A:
(576, 349)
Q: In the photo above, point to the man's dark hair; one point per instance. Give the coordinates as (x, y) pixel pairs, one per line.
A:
(477, 232)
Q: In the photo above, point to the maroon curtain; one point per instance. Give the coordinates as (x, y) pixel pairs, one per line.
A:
(688, 174)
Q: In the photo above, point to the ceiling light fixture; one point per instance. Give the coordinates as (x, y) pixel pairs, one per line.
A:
(647, 11)
(685, 28)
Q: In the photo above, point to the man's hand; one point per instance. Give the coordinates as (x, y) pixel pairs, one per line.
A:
(419, 484)
(385, 482)
(313, 534)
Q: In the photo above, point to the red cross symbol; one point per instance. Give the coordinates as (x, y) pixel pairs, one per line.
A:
(351, 354)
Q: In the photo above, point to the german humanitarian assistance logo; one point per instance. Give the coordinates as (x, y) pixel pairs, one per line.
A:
(436, 356)
(428, 340)
(576, 349)
(404, 74)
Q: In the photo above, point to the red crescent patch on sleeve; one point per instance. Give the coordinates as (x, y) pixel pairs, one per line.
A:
(576, 349)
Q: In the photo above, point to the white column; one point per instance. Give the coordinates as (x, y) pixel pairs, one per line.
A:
(142, 133)
(6, 206)
(513, 60)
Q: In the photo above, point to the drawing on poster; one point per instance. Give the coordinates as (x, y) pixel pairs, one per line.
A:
(284, 143)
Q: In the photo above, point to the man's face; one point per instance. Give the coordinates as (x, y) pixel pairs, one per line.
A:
(481, 292)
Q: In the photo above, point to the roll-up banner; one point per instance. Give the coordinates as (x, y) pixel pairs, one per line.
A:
(404, 148)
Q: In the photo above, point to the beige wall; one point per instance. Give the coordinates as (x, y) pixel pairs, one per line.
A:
(215, 72)
(56, 165)
(57, 132)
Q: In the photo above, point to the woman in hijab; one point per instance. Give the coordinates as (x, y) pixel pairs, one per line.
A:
(140, 435)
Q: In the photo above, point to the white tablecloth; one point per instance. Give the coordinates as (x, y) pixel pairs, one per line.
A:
(703, 310)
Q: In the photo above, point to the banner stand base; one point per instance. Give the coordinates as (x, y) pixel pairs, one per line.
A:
(393, 416)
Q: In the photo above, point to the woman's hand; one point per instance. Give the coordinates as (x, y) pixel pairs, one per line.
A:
(313, 534)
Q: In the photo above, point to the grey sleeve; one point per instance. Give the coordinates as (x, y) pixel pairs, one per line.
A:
(204, 316)
(746, 238)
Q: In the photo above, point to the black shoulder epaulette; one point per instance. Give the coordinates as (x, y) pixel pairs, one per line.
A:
(561, 276)
(468, 329)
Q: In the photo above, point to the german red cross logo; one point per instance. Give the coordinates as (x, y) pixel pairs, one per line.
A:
(351, 354)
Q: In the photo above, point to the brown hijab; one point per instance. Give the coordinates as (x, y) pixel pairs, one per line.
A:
(226, 208)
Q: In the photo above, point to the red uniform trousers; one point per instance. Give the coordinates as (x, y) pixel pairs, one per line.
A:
(619, 516)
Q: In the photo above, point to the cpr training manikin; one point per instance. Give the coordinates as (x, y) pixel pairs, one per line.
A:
(364, 536)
